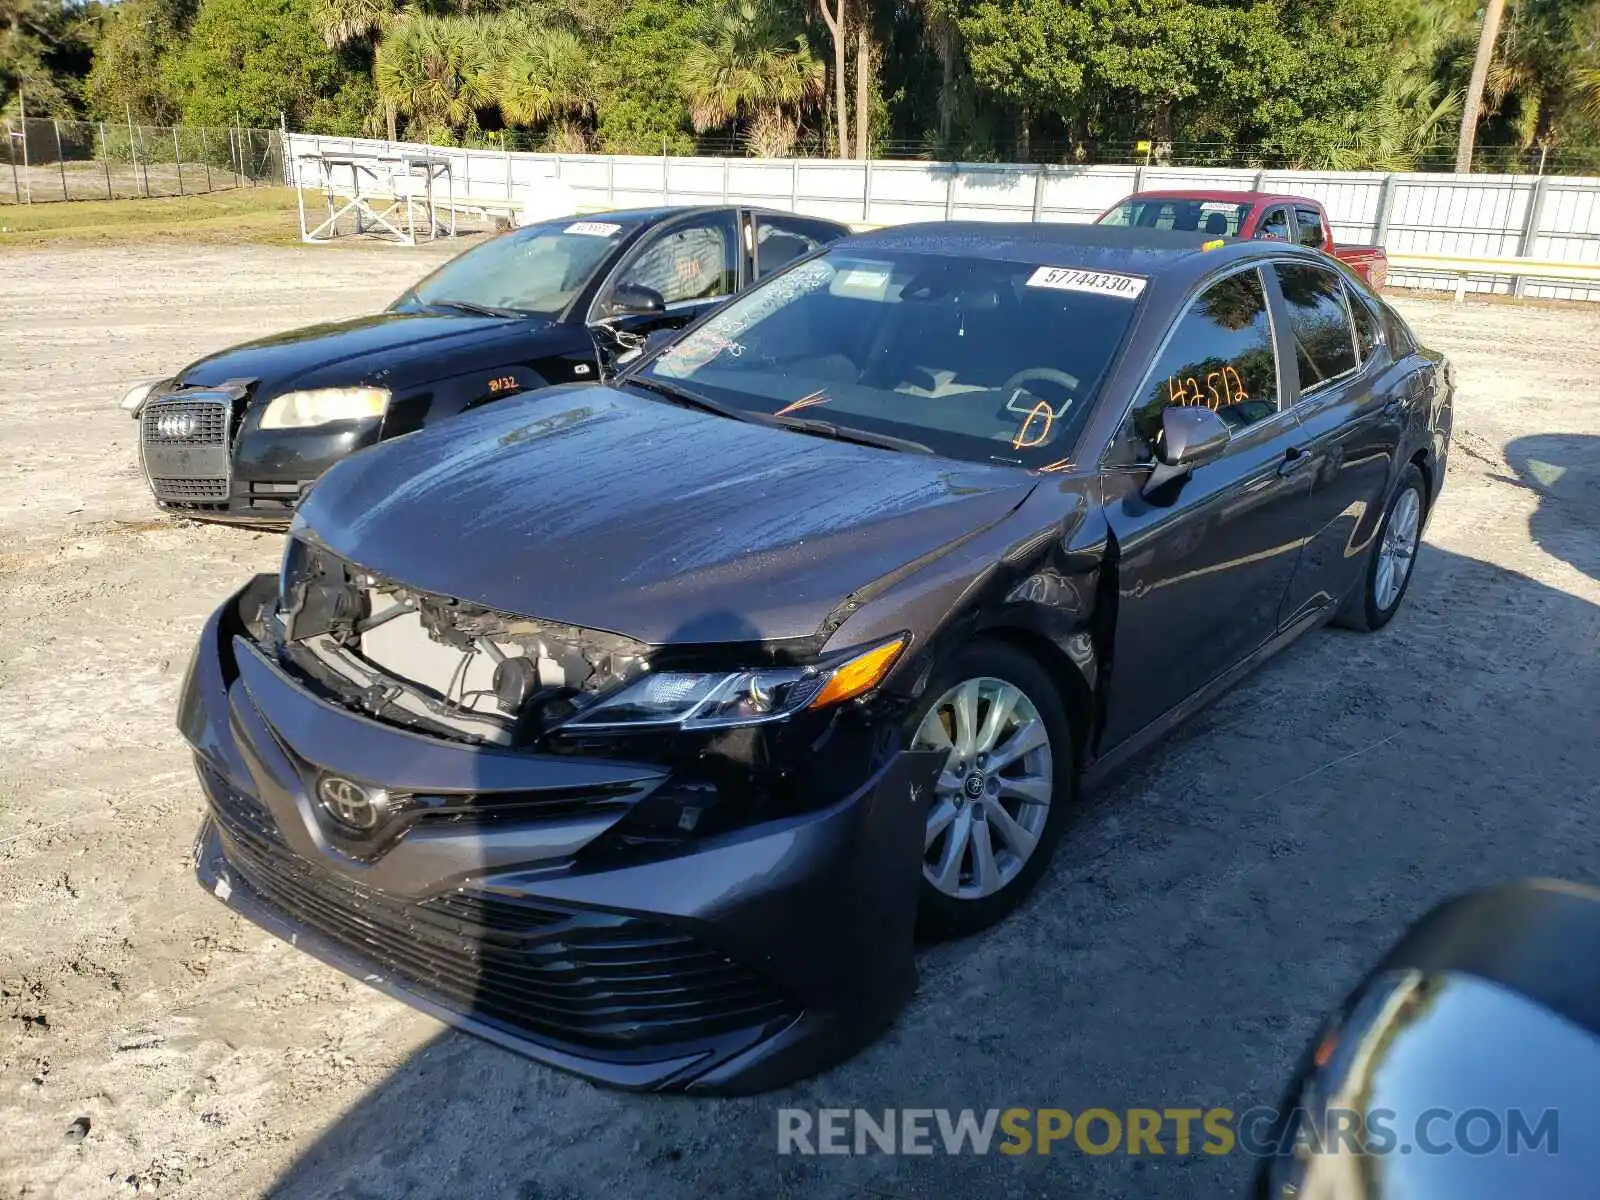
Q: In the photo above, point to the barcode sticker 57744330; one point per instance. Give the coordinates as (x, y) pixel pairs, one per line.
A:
(593, 228)
(1102, 283)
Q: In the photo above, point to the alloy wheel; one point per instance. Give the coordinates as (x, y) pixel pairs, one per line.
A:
(993, 796)
(1398, 549)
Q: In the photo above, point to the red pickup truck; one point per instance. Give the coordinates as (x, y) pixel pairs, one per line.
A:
(1262, 215)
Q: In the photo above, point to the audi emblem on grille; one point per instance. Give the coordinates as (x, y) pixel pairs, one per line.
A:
(351, 804)
(177, 424)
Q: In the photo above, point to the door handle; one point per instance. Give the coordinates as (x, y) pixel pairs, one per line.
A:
(1294, 459)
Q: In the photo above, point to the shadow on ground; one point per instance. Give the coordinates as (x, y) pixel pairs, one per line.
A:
(1564, 468)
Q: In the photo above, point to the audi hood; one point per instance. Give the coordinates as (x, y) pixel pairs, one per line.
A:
(600, 508)
(364, 350)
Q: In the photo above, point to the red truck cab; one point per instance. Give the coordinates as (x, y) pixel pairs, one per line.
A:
(1267, 216)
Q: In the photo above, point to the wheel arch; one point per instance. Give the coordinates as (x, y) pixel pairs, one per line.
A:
(1072, 685)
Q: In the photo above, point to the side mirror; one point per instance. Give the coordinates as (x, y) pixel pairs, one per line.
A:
(634, 300)
(1190, 437)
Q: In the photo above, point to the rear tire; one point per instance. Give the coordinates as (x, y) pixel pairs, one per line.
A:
(1009, 779)
(1392, 559)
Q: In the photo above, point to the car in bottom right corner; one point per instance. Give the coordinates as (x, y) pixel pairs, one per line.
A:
(1464, 1066)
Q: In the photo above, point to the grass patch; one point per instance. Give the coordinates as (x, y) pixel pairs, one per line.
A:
(254, 215)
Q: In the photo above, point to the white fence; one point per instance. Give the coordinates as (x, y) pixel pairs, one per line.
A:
(1544, 218)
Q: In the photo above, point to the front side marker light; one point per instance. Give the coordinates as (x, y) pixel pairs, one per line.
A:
(860, 675)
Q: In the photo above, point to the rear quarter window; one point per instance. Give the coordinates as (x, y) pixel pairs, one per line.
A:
(1402, 342)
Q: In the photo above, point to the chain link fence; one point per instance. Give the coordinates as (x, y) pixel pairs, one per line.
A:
(47, 160)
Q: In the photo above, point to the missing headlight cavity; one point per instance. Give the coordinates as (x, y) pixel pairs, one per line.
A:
(491, 676)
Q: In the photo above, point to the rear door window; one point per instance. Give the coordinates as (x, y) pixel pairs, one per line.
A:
(1220, 355)
(780, 241)
(1319, 323)
(1309, 223)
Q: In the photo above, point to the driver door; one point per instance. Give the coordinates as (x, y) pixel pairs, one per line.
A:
(676, 274)
(1203, 563)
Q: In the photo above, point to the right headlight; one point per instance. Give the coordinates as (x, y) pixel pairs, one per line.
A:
(320, 406)
(722, 699)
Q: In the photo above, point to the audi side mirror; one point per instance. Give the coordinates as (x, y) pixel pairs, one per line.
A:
(1191, 436)
(634, 300)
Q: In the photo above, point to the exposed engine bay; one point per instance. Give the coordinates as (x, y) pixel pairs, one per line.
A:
(449, 666)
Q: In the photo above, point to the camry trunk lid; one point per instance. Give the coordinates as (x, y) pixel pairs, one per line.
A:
(600, 508)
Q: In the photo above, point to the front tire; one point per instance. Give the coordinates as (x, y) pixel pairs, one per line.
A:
(1002, 799)
(1394, 552)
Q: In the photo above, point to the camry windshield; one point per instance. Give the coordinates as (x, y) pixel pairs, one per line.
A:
(977, 359)
(534, 270)
(1220, 218)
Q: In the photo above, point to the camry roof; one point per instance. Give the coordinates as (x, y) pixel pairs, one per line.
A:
(642, 216)
(1093, 247)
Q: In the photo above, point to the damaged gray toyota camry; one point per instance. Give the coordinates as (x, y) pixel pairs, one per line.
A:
(641, 728)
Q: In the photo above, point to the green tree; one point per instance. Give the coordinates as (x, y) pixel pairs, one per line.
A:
(46, 48)
(359, 26)
(251, 60)
(126, 77)
(640, 103)
(545, 76)
(1279, 74)
(435, 71)
(751, 62)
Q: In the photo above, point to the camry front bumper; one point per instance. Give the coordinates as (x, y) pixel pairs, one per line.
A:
(727, 964)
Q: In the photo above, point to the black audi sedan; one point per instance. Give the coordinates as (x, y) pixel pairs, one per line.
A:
(642, 727)
(239, 436)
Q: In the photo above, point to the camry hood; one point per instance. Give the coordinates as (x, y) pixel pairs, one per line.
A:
(398, 339)
(601, 508)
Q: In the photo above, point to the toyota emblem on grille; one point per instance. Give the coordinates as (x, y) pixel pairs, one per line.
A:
(351, 805)
(177, 424)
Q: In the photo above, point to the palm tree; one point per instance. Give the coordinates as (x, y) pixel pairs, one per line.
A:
(433, 69)
(1412, 117)
(346, 22)
(749, 63)
(545, 76)
(359, 22)
(1487, 37)
(943, 36)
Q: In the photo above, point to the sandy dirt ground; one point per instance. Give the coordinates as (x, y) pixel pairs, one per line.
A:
(1201, 913)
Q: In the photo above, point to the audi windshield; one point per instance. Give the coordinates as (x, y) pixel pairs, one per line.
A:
(537, 270)
(984, 360)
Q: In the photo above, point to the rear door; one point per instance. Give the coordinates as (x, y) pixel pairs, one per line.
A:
(1202, 566)
(1350, 402)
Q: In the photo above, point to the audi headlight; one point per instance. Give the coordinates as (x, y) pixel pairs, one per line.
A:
(722, 699)
(136, 396)
(319, 406)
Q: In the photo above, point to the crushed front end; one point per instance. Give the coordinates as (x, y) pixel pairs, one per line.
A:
(505, 822)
